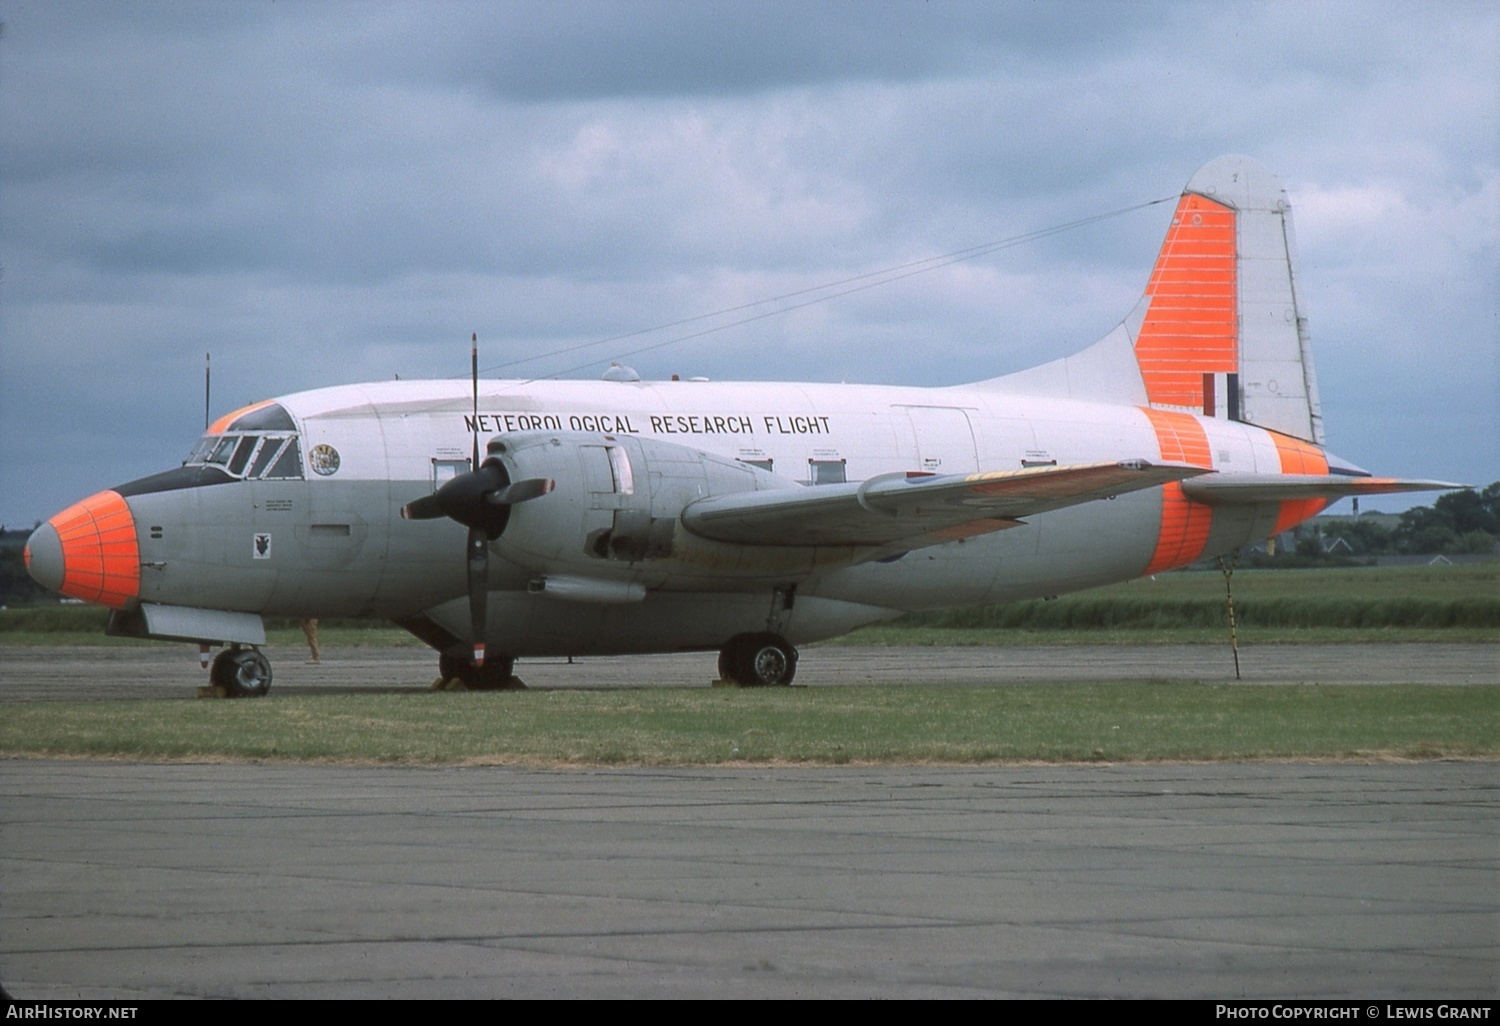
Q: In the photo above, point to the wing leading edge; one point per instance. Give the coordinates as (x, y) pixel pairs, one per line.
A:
(917, 510)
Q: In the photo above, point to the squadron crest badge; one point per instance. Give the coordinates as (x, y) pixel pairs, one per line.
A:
(324, 460)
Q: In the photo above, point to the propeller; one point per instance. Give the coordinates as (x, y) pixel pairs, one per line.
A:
(480, 500)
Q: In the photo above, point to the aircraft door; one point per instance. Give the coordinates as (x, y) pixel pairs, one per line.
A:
(943, 439)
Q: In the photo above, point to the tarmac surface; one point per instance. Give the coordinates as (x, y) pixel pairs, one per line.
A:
(137, 880)
(154, 670)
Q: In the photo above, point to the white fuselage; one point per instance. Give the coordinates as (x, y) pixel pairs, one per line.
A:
(337, 545)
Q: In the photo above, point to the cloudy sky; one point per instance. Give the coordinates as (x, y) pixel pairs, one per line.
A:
(322, 193)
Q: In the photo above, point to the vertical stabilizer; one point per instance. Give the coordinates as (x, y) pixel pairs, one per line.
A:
(1223, 332)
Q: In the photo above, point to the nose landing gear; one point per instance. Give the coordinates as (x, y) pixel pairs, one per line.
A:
(241, 673)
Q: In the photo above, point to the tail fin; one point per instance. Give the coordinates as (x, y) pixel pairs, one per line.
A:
(1221, 330)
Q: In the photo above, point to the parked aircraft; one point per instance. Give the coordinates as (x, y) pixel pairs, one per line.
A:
(621, 515)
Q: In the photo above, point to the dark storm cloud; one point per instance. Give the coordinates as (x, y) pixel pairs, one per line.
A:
(667, 50)
(326, 192)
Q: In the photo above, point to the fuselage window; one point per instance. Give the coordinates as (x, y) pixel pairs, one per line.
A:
(444, 471)
(822, 472)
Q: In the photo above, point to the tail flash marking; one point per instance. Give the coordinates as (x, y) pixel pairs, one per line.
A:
(1184, 523)
(1191, 324)
(1298, 457)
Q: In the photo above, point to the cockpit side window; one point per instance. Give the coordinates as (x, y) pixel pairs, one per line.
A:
(289, 466)
(251, 456)
(269, 447)
(242, 454)
(223, 450)
(201, 450)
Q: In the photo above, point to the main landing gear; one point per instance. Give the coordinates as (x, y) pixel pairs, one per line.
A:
(241, 673)
(758, 660)
(497, 673)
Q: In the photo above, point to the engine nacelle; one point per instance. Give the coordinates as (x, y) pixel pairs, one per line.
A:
(615, 513)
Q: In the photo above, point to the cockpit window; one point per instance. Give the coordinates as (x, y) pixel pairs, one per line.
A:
(242, 454)
(269, 447)
(223, 450)
(289, 466)
(202, 449)
(272, 457)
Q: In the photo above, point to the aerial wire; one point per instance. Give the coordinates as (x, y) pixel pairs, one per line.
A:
(858, 283)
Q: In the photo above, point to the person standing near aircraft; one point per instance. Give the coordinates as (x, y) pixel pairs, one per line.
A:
(310, 631)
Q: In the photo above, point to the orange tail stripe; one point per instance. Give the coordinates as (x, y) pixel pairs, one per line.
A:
(1184, 523)
(1298, 457)
(1192, 320)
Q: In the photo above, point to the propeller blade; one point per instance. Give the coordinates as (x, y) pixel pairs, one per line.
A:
(521, 491)
(426, 508)
(479, 587)
(465, 499)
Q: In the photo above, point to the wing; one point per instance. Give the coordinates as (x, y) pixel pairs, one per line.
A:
(916, 510)
(1227, 489)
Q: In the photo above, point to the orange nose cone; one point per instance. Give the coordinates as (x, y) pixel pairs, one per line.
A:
(89, 552)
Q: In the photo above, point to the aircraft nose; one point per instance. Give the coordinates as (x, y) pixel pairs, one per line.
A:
(44, 557)
(88, 551)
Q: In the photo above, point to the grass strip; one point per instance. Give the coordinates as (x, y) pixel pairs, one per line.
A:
(1133, 722)
(1358, 604)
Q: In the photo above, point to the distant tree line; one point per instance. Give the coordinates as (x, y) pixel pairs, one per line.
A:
(16, 586)
(1458, 523)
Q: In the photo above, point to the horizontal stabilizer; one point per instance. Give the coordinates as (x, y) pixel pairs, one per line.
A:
(916, 510)
(1231, 489)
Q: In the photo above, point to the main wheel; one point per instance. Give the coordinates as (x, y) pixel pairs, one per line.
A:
(242, 673)
(758, 660)
(496, 674)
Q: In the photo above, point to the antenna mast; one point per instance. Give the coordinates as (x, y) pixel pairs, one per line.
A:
(474, 379)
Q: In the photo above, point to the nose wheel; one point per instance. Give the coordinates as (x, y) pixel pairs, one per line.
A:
(758, 660)
(241, 672)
